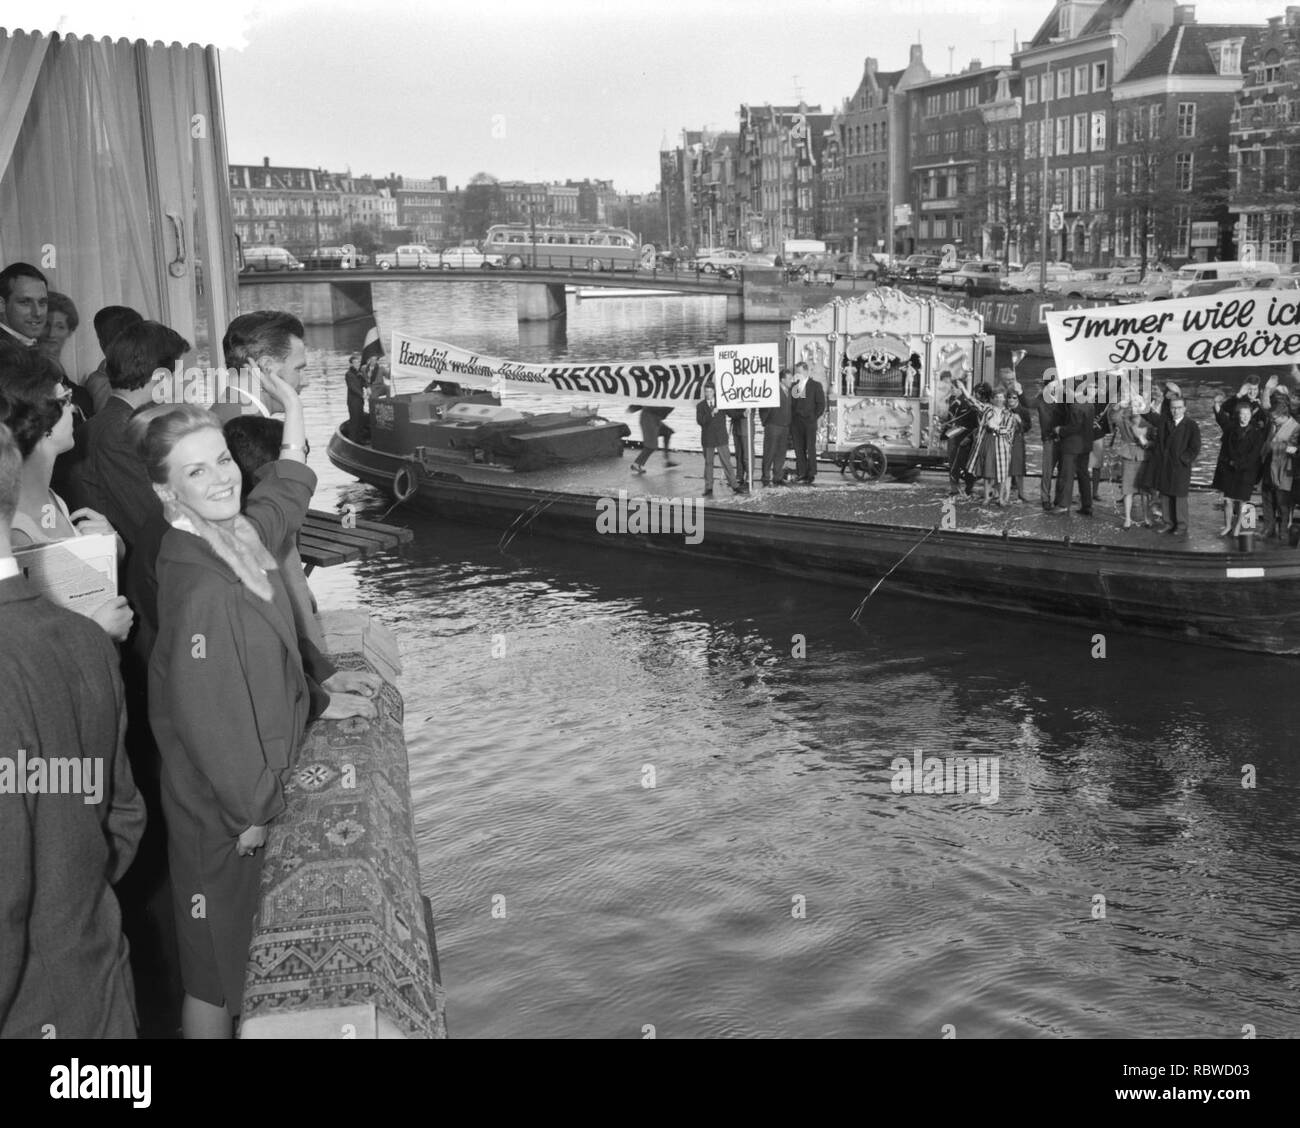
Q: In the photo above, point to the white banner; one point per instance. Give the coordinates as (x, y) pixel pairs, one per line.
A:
(666, 383)
(1230, 329)
(748, 375)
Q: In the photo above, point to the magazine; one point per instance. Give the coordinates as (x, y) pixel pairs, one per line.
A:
(79, 573)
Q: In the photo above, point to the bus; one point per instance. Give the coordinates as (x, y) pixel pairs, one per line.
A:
(570, 247)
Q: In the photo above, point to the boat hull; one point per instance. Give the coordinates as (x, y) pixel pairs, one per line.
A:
(1205, 598)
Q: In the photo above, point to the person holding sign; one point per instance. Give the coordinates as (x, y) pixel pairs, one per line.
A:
(713, 438)
(808, 405)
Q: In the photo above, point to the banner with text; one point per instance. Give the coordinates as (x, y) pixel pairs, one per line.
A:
(748, 375)
(665, 383)
(1230, 329)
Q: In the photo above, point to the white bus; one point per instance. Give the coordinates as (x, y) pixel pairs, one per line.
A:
(571, 247)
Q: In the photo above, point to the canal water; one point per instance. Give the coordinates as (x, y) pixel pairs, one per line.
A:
(653, 794)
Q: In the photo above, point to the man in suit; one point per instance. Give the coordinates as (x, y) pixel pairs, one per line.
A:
(64, 971)
(111, 478)
(1075, 437)
(776, 434)
(24, 303)
(1177, 447)
(270, 342)
(808, 404)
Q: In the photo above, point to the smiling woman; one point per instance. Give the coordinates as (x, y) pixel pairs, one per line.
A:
(228, 695)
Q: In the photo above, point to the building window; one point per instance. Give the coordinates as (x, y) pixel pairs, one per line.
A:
(1063, 83)
(1183, 172)
(1081, 79)
(1031, 91)
(1098, 77)
(1182, 230)
(1123, 126)
(1099, 131)
(1062, 136)
(1097, 186)
(1078, 189)
(1186, 119)
(1031, 139)
(1080, 133)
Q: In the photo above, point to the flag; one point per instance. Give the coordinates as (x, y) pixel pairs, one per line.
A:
(373, 348)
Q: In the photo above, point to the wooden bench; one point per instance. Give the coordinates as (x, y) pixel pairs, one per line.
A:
(324, 541)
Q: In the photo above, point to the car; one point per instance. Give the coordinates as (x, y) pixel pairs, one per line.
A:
(718, 260)
(1214, 286)
(922, 268)
(1103, 286)
(415, 255)
(1030, 278)
(833, 267)
(468, 257)
(1278, 282)
(972, 276)
(269, 258)
(331, 258)
(1155, 287)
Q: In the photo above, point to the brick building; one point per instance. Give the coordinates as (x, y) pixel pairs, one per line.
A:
(1265, 143)
(1172, 115)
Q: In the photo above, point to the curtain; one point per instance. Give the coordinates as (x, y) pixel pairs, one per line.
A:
(105, 151)
(20, 63)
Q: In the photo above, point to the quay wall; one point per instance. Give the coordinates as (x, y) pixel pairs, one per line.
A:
(343, 942)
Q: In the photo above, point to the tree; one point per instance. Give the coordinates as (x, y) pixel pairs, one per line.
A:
(364, 238)
(482, 205)
(1161, 182)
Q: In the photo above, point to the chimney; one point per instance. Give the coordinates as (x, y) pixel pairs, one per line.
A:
(914, 55)
(1184, 14)
(871, 67)
(266, 162)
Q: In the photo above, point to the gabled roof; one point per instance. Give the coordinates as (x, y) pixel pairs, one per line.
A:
(1184, 50)
(1100, 21)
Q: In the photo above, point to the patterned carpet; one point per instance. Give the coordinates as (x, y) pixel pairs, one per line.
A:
(341, 946)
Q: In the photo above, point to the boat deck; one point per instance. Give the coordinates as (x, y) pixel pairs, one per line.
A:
(918, 504)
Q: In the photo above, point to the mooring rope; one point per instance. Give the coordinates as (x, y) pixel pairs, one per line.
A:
(854, 617)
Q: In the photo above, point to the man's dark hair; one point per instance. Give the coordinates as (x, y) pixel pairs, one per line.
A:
(266, 332)
(253, 441)
(18, 270)
(136, 353)
(28, 382)
(111, 320)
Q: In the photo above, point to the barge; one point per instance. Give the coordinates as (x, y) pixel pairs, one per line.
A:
(857, 528)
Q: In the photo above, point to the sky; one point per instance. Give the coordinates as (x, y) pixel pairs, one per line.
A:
(545, 89)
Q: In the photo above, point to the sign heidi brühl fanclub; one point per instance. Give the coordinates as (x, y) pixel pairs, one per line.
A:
(1230, 329)
(747, 375)
(666, 383)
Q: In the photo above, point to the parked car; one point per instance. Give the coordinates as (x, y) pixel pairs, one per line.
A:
(269, 258)
(832, 267)
(1103, 286)
(331, 258)
(1155, 287)
(972, 276)
(712, 263)
(1278, 282)
(467, 257)
(919, 268)
(1030, 278)
(411, 255)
